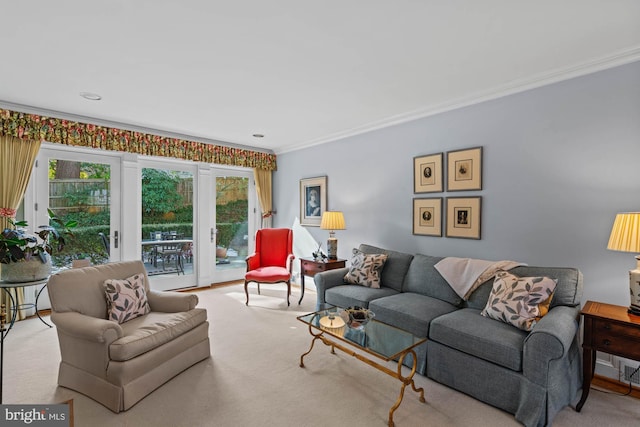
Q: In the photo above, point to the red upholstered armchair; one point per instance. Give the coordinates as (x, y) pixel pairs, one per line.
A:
(272, 260)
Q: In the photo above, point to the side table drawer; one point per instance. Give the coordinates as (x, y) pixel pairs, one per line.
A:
(611, 328)
(311, 268)
(615, 338)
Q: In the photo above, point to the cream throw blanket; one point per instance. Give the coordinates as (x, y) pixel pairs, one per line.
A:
(464, 275)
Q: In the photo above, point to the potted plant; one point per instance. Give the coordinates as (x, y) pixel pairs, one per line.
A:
(27, 257)
(221, 247)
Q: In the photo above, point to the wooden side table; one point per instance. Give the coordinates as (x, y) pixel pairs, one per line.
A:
(310, 267)
(610, 329)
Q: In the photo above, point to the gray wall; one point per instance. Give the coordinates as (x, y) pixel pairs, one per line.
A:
(559, 162)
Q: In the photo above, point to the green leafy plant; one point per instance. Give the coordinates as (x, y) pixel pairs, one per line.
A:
(159, 194)
(17, 245)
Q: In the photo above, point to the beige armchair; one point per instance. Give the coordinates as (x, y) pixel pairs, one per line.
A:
(119, 364)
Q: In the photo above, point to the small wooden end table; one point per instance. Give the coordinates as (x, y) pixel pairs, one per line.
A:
(310, 267)
(610, 329)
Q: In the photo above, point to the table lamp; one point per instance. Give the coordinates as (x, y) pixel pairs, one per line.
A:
(625, 237)
(332, 221)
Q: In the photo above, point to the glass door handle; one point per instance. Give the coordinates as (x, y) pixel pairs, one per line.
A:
(115, 239)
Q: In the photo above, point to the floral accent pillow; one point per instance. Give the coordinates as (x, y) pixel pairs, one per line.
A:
(519, 301)
(365, 269)
(126, 299)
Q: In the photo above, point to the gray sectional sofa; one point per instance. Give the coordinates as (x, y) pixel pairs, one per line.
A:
(532, 375)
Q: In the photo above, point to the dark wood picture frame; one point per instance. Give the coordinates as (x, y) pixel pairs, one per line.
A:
(428, 173)
(464, 215)
(427, 216)
(464, 169)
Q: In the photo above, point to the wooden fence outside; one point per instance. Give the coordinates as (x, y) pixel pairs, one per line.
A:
(95, 195)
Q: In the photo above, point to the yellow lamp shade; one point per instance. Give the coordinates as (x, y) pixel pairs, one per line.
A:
(625, 234)
(332, 220)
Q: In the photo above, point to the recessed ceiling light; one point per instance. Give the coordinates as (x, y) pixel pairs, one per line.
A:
(258, 135)
(90, 96)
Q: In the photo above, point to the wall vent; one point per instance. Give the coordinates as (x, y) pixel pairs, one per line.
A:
(628, 371)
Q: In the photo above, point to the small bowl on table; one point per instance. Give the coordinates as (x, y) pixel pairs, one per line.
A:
(359, 316)
(333, 323)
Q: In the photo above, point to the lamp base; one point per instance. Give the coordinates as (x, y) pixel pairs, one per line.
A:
(634, 290)
(332, 248)
(634, 311)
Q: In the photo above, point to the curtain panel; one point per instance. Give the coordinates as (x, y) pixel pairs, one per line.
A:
(17, 157)
(41, 128)
(263, 188)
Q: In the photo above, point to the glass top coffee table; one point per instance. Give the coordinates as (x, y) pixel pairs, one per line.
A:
(376, 340)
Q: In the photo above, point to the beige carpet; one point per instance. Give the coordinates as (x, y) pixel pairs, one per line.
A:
(253, 379)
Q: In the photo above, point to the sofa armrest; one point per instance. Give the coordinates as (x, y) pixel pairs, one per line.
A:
(326, 280)
(171, 302)
(87, 328)
(550, 339)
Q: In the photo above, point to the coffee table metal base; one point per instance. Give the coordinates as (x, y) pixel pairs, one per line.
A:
(405, 380)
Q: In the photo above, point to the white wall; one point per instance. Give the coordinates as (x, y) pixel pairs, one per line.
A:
(559, 163)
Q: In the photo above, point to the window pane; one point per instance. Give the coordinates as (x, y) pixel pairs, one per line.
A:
(167, 221)
(232, 213)
(81, 191)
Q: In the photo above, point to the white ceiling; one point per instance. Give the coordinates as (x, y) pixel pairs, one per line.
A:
(300, 72)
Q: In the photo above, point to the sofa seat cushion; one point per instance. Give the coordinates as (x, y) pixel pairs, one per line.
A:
(349, 295)
(268, 275)
(409, 311)
(147, 332)
(467, 331)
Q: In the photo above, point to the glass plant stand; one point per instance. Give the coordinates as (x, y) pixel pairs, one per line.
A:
(9, 286)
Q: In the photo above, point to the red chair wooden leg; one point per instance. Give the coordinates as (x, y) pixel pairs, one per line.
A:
(246, 291)
(288, 292)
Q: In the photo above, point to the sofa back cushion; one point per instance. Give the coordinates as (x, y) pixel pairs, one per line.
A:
(82, 289)
(395, 268)
(568, 290)
(423, 278)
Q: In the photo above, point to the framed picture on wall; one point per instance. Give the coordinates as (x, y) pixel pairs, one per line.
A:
(464, 169)
(313, 200)
(463, 217)
(428, 173)
(427, 217)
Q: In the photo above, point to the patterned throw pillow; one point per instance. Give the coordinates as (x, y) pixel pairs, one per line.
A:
(365, 269)
(126, 299)
(519, 301)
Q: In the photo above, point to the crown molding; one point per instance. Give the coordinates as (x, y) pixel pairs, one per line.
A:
(521, 85)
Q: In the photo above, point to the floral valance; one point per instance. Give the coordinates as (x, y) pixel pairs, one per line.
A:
(33, 126)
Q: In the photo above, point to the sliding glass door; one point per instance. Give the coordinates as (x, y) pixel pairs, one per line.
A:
(192, 224)
(234, 223)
